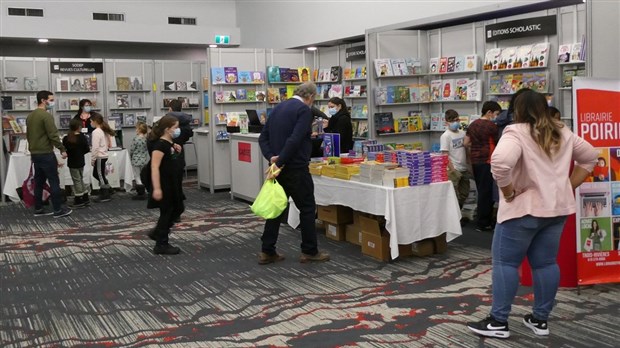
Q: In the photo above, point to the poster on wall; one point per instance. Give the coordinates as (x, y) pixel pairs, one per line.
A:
(597, 120)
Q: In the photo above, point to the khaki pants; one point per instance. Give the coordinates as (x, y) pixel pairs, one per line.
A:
(460, 180)
(77, 176)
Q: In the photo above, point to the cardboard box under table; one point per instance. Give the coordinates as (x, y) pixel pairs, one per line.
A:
(411, 213)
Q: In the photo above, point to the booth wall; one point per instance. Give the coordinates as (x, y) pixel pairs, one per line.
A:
(605, 41)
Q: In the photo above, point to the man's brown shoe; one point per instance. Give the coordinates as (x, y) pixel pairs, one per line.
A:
(321, 256)
(264, 258)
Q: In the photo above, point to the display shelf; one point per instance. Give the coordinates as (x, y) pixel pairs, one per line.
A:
(186, 91)
(18, 91)
(358, 118)
(13, 110)
(222, 140)
(455, 101)
(565, 88)
(508, 94)
(456, 73)
(355, 79)
(129, 91)
(166, 108)
(240, 84)
(518, 69)
(242, 102)
(288, 83)
(327, 82)
(355, 97)
(397, 104)
(404, 133)
(401, 76)
(579, 62)
(143, 108)
(73, 110)
(76, 92)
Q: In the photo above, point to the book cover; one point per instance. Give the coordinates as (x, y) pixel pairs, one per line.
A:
(63, 121)
(217, 95)
(354, 126)
(33, 102)
(383, 67)
(451, 64)
(567, 77)
(401, 125)
(115, 120)
(242, 94)
(180, 85)
(564, 53)
(284, 75)
(273, 95)
(461, 89)
(62, 84)
(401, 94)
(244, 123)
(362, 128)
(31, 84)
(414, 66)
(283, 93)
(436, 121)
(290, 91)
(230, 96)
(474, 90)
(448, 89)
(459, 63)
(273, 74)
(528, 80)
(415, 123)
(136, 83)
(217, 76)
(495, 83)
(443, 65)
(245, 76)
(335, 91)
(506, 84)
(335, 74)
(391, 94)
(347, 73)
(261, 96)
(331, 144)
(191, 85)
(193, 102)
(435, 90)
(20, 103)
(15, 126)
(258, 77)
(517, 82)
(129, 120)
(381, 95)
(348, 91)
(141, 117)
(230, 73)
(359, 111)
(293, 75)
(135, 101)
(399, 67)
(433, 66)
(540, 82)
(304, 73)
(471, 63)
(74, 103)
(232, 119)
(123, 83)
(524, 56)
(221, 118)
(492, 59)
(170, 86)
(251, 95)
(122, 101)
(464, 121)
(540, 53)
(509, 56)
(424, 91)
(575, 53)
(384, 122)
(11, 83)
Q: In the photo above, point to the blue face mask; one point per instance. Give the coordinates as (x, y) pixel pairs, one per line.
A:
(454, 126)
(176, 133)
(87, 108)
(49, 105)
(332, 111)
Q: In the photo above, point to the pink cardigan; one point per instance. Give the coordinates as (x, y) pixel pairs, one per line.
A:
(542, 184)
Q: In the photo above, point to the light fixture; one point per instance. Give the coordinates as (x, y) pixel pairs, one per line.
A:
(212, 46)
(311, 48)
(44, 40)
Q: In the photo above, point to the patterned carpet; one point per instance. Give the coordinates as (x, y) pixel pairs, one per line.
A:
(91, 280)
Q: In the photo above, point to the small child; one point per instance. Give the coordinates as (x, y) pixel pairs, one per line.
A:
(451, 143)
(139, 155)
(101, 142)
(77, 146)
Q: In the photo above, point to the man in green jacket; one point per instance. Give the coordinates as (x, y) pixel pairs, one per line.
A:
(42, 137)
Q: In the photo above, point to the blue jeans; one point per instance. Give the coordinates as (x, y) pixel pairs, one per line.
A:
(46, 168)
(539, 239)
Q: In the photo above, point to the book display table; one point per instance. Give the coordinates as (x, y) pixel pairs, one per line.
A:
(19, 167)
(411, 213)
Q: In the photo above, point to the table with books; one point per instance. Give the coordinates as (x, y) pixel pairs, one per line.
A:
(19, 167)
(412, 213)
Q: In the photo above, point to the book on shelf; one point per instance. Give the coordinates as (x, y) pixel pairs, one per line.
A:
(492, 59)
(217, 75)
(11, 83)
(129, 119)
(540, 54)
(381, 95)
(348, 73)
(77, 84)
(122, 101)
(443, 65)
(509, 57)
(193, 102)
(414, 66)
(359, 111)
(567, 77)
(331, 144)
(74, 103)
(495, 83)
(384, 122)
(115, 120)
(31, 83)
(283, 93)
(415, 123)
(20, 103)
(273, 95)
(474, 90)
(273, 74)
(62, 84)
(184, 102)
(401, 125)
(575, 53)
(244, 123)
(123, 83)
(261, 96)
(391, 94)
(141, 117)
(506, 84)
(354, 126)
(90, 83)
(32, 100)
(399, 67)
(335, 91)
(435, 90)
(230, 73)
(471, 62)
(433, 65)
(15, 126)
(461, 89)
(244, 76)
(436, 121)
(517, 82)
(21, 121)
(232, 119)
(448, 89)
(230, 96)
(221, 118)
(401, 94)
(564, 53)
(459, 64)
(293, 75)
(383, 67)
(242, 94)
(523, 56)
(290, 91)
(258, 77)
(136, 83)
(170, 86)
(541, 84)
(285, 75)
(451, 64)
(362, 128)
(135, 101)
(180, 85)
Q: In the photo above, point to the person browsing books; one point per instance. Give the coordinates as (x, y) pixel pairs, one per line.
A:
(166, 191)
(101, 143)
(340, 122)
(285, 142)
(451, 143)
(481, 138)
(43, 137)
(139, 154)
(77, 147)
(531, 165)
(85, 110)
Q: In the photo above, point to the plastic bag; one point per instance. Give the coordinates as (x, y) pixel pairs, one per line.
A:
(28, 189)
(271, 200)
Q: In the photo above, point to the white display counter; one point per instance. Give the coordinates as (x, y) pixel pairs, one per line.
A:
(247, 166)
(203, 155)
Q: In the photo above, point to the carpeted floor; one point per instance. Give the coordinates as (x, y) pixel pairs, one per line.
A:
(91, 280)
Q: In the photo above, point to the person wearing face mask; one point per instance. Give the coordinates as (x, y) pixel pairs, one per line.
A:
(166, 191)
(83, 114)
(285, 142)
(101, 143)
(451, 143)
(481, 138)
(185, 133)
(42, 136)
(340, 122)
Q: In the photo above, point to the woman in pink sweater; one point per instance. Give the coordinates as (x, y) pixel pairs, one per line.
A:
(531, 165)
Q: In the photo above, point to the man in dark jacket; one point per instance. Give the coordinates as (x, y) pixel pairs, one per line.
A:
(285, 142)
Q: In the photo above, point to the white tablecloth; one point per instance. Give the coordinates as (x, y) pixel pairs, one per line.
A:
(411, 213)
(19, 166)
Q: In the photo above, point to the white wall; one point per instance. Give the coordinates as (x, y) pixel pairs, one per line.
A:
(294, 23)
(605, 41)
(145, 20)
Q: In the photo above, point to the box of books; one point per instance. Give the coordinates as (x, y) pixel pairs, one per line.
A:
(335, 214)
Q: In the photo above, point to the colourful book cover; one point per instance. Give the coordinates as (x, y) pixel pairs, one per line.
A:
(261, 96)
(383, 67)
(244, 123)
(273, 95)
(293, 75)
(230, 72)
(232, 119)
(435, 90)
(564, 53)
(424, 91)
(401, 125)
(540, 54)
(414, 66)
(541, 84)
(414, 93)
(242, 94)
(415, 124)
(524, 55)
(399, 67)
(381, 95)
(517, 82)
(358, 73)
(529, 80)
(362, 129)
(304, 73)
(283, 93)
(335, 74)
(436, 121)
(471, 63)
(461, 89)
(495, 83)
(230, 96)
(575, 52)
(506, 84)
(459, 63)
(290, 91)
(331, 144)
(335, 91)
(245, 76)
(443, 65)
(509, 57)
(251, 95)
(448, 89)
(258, 77)
(273, 74)
(492, 59)
(474, 90)
(401, 94)
(384, 122)
(433, 66)
(217, 76)
(347, 73)
(451, 64)
(391, 94)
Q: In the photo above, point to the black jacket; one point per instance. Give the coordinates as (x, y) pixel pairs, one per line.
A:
(185, 121)
(76, 151)
(341, 123)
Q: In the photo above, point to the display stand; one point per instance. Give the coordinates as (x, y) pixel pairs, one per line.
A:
(203, 153)
(247, 166)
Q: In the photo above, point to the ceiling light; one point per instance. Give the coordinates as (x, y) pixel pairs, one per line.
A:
(44, 40)
(311, 48)
(213, 46)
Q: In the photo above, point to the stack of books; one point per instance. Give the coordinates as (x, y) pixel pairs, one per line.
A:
(419, 165)
(439, 167)
(346, 171)
(396, 177)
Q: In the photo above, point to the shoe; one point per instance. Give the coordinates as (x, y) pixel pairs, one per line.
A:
(484, 228)
(78, 202)
(62, 212)
(152, 234)
(140, 193)
(43, 212)
(321, 256)
(490, 327)
(166, 249)
(538, 326)
(86, 200)
(464, 221)
(264, 258)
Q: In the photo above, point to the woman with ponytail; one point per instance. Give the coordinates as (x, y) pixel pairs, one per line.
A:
(166, 191)
(531, 165)
(101, 143)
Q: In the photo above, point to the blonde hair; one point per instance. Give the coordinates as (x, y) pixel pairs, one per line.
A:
(142, 128)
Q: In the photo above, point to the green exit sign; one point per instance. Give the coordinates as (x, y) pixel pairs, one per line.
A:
(222, 39)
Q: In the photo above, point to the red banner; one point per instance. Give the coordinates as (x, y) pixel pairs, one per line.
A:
(244, 152)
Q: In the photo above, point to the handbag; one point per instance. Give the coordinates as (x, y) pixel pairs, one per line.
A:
(271, 200)
(28, 189)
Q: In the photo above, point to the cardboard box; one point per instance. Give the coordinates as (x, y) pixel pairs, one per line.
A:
(335, 214)
(356, 218)
(440, 244)
(376, 246)
(354, 234)
(335, 232)
(319, 224)
(405, 250)
(372, 224)
(424, 247)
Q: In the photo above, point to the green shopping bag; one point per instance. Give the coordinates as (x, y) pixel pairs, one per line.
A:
(271, 200)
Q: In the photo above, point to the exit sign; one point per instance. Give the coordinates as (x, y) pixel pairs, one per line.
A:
(222, 39)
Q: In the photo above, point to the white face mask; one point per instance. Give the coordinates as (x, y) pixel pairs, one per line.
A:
(332, 111)
(50, 105)
(87, 108)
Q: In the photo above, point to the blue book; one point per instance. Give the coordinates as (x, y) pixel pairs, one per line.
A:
(217, 76)
(331, 144)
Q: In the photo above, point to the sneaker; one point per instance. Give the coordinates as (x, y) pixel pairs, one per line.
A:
(321, 256)
(166, 249)
(43, 212)
(62, 212)
(538, 326)
(264, 258)
(490, 327)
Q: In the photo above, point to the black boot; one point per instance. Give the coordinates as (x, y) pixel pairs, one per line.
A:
(141, 193)
(86, 200)
(78, 202)
(104, 195)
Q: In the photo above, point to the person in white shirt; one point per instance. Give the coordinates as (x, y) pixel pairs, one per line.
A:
(451, 143)
(101, 142)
